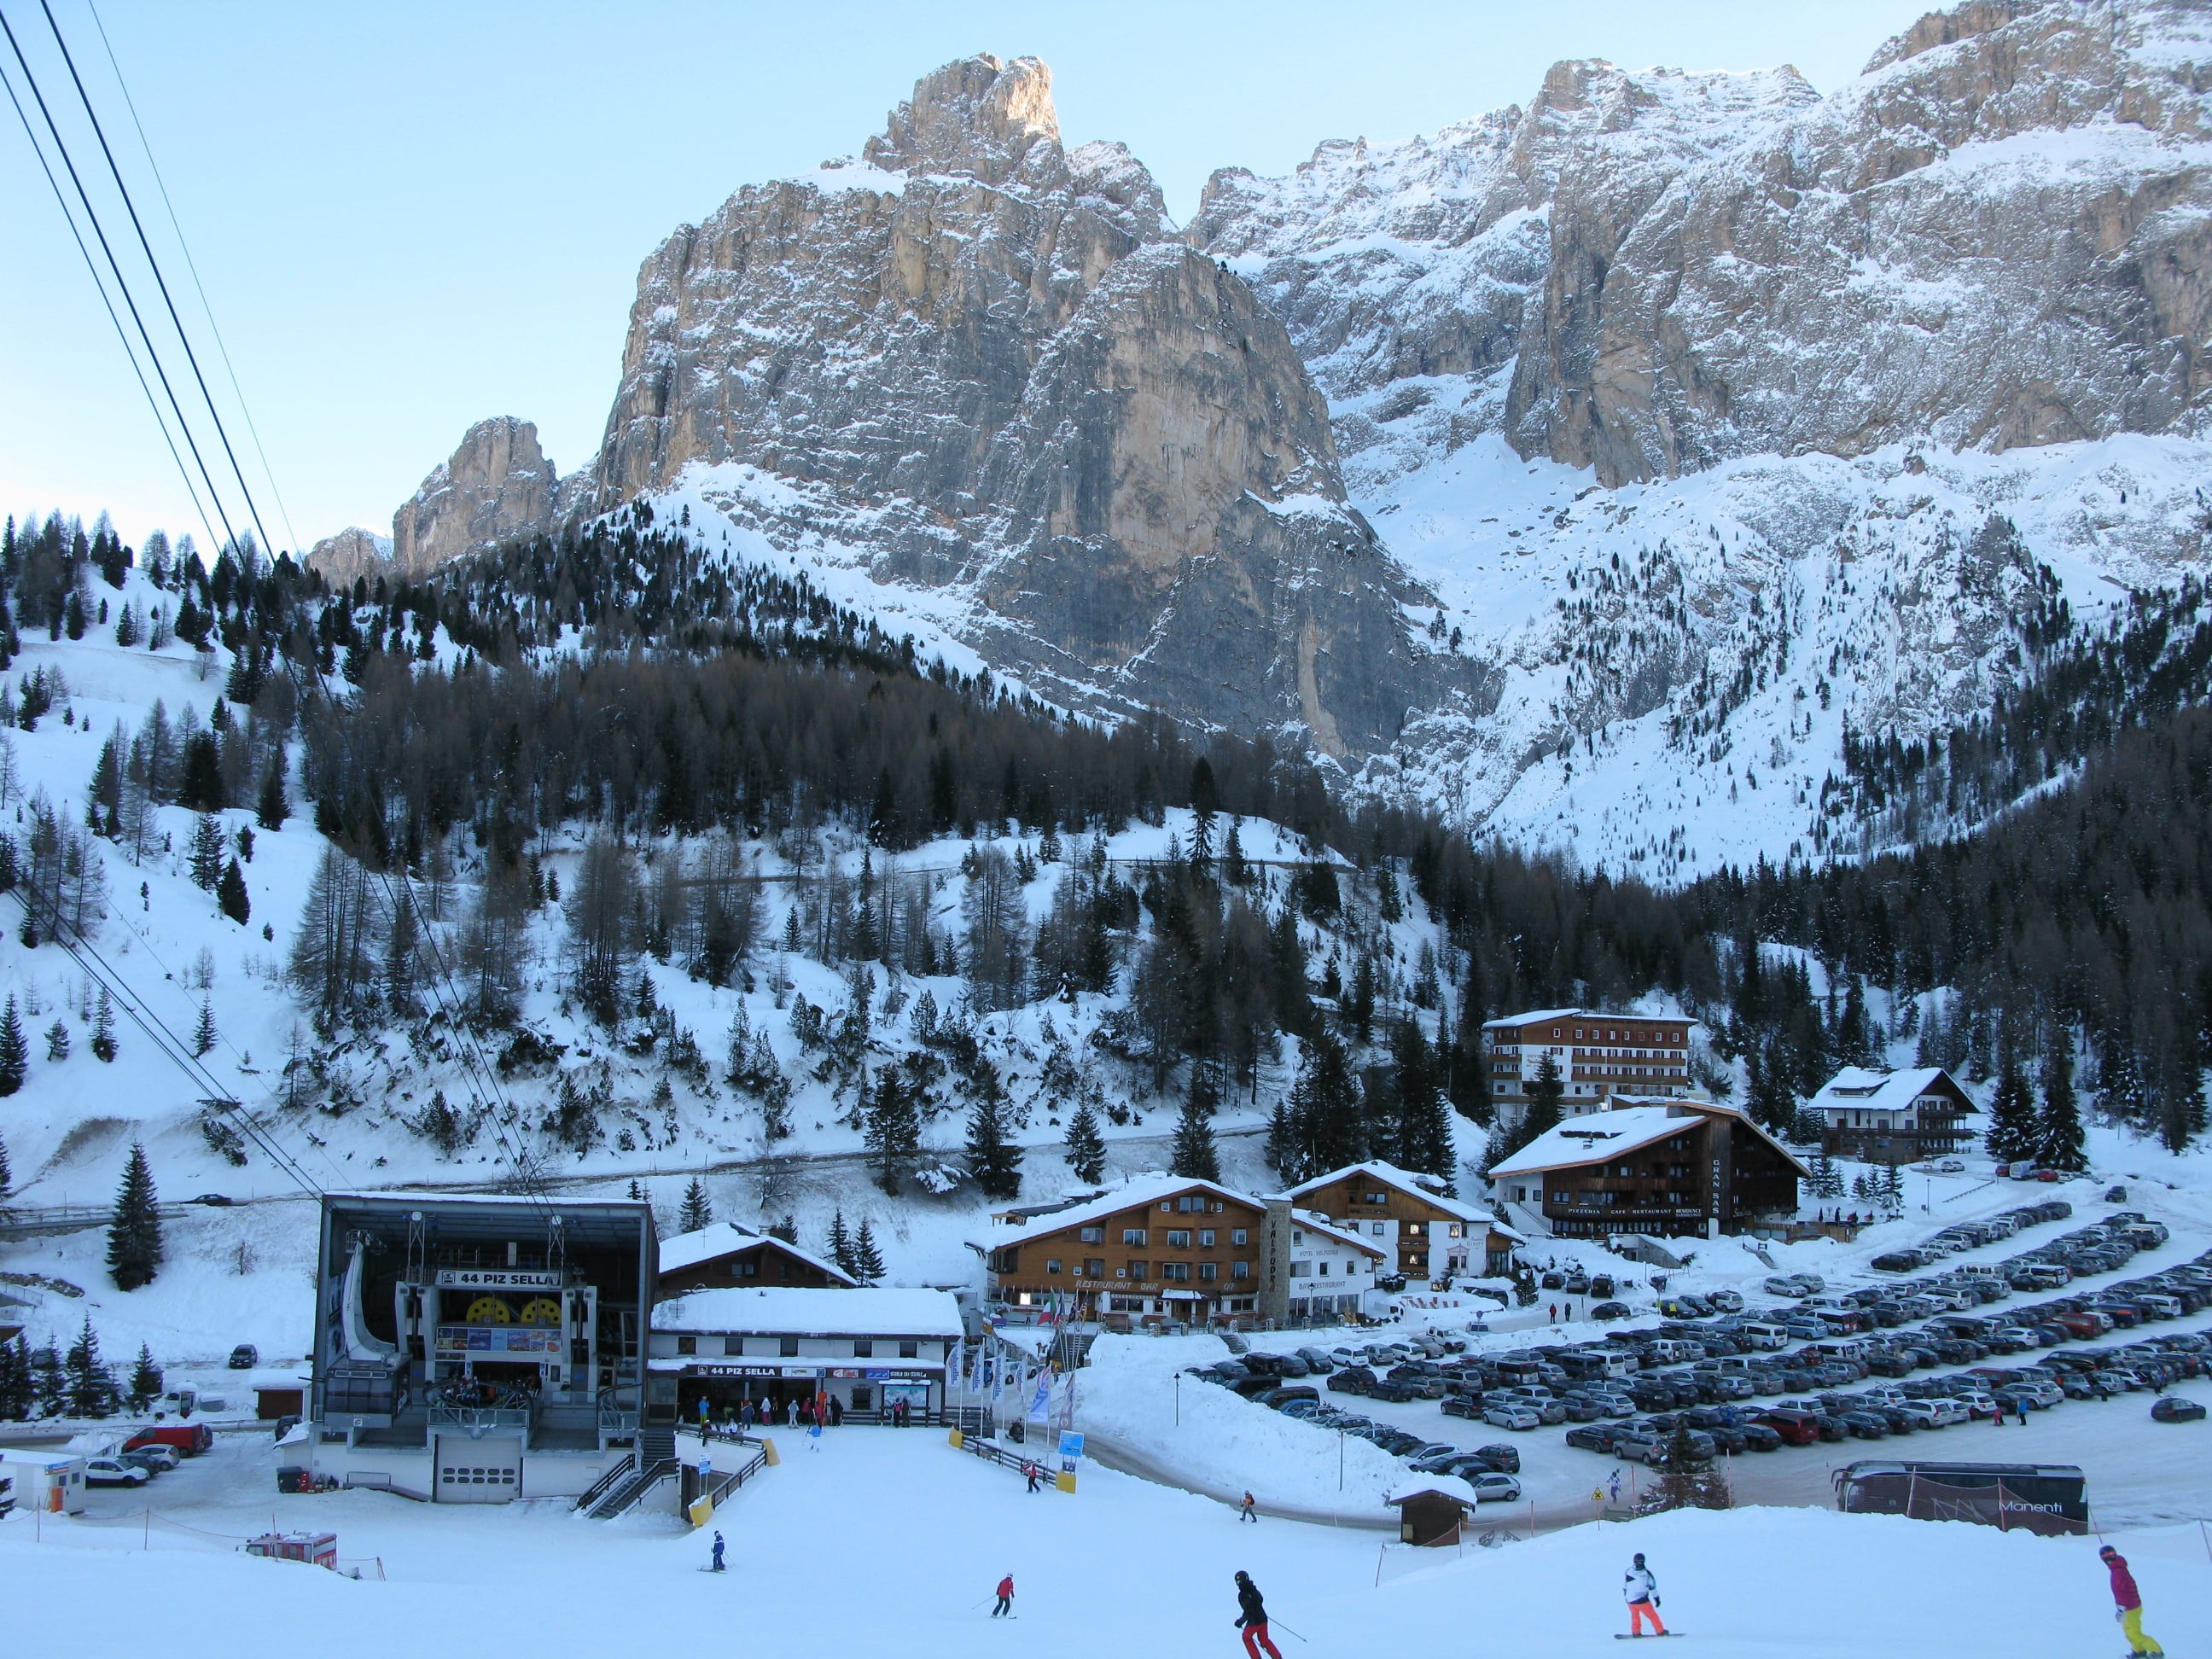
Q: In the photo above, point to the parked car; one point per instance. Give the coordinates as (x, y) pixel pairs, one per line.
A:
(1503, 1457)
(2176, 1408)
(1609, 1310)
(1317, 1363)
(1495, 1488)
(1353, 1379)
(245, 1357)
(1593, 1437)
(215, 1200)
(186, 1439)
(114, 1472)
(1461, 1405)
(1507, 1414)
(154, 1459)
(1386, 1389)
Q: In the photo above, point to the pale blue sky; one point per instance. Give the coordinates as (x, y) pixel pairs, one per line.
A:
(411, 217)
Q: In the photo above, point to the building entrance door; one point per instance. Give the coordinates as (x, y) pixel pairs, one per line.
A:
(486, 1471)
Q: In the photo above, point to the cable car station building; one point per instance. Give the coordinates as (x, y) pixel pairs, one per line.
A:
(478, 1349)
(869, 1349)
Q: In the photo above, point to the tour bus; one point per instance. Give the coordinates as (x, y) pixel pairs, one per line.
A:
(2045, 1498)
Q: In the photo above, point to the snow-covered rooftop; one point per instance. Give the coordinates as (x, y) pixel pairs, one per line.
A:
(1862, 1089)
(868, 1311)
(1423, 1186)
(722, 1238)
(1313, 1221)
(1146, 1190)
(1532, 1017)
(1601, 1135)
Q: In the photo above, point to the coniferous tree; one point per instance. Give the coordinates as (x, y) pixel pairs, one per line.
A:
(1421, 1137)
(103, 1028)
(205, 857)
(57, 1040)
(49, 1382)
(230, 896)
(893, 1128)
(868, 1259)
(2058, 1138)
(146, 1381)
(1827, 1180)
(272, 809)
(2014, 1131)
(993, 1158)
(200, 787)
(1546, 1090)
(204, 1035)
(92, 1391)
(1194, 1153)
(14, 1053)
(841, 1244)
(19, 1394)
(696, 1211)
(7, 1175)
(1084, 1149)
(134, 1236)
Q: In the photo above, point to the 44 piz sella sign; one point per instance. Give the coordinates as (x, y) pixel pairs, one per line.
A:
(497, 1279)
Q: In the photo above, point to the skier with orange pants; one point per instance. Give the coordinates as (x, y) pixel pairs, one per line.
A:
(1641, 1590)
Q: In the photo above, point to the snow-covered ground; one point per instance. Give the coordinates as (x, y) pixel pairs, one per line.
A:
(888, 1543)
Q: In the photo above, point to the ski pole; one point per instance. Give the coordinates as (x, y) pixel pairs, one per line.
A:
(1277, 1624)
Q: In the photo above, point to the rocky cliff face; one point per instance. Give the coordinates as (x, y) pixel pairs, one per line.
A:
(1705, 416)
(352, 552)
(2000, 236)
(496, 486)
(982, 358)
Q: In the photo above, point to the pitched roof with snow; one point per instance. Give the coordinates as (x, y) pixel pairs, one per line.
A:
(1145, 1191)
(1596, 1136)
(871, 1310)
(1534, 1016)
(1315, 1222)
(1408, 1181)
(723, 1238)
(1862, 1088)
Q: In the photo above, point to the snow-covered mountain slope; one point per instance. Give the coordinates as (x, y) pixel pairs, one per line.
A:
(1693, 398)
(1683, 420)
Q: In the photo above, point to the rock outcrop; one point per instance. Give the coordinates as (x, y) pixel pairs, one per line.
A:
(352, 552)
(2000, 236)
(985, 358)
(496, 486)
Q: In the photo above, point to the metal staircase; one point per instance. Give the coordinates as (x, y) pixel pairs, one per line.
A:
(617, 1491)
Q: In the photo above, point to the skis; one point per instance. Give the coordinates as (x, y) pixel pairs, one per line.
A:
(1637, 1635)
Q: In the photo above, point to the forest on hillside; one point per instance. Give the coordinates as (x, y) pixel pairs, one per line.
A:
(622, 684)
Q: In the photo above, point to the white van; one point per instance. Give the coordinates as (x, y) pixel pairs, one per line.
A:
(1763, 1336)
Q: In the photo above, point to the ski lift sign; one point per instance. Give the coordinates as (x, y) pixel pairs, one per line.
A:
(1070, 1450)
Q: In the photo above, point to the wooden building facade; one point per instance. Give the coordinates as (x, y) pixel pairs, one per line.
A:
(1664, 1167)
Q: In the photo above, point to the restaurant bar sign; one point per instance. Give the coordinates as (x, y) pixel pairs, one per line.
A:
(497, 1278)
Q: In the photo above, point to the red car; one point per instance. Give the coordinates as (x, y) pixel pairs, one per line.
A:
(187, 1439)
(1796, 1428)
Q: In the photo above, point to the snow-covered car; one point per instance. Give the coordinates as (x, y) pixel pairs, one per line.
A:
(1506, 1415)
(114, 1472)
(1495, 1488)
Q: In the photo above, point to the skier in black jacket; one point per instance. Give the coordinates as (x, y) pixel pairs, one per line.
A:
(1253, 1620)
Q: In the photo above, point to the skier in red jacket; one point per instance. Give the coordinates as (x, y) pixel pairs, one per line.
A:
(2128, 1600)
(1005, 1596)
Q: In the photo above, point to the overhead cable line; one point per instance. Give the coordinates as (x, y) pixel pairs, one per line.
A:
(171, 1046)
(115, 266)
(147, 247)
(192, 265)
(92, 269)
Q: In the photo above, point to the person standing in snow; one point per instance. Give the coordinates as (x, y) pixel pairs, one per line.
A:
(718, 1553)
(1005, 1596)
(1252, 1619)
(2127, 1601)
(1247, 1510)
(1641, 1590)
